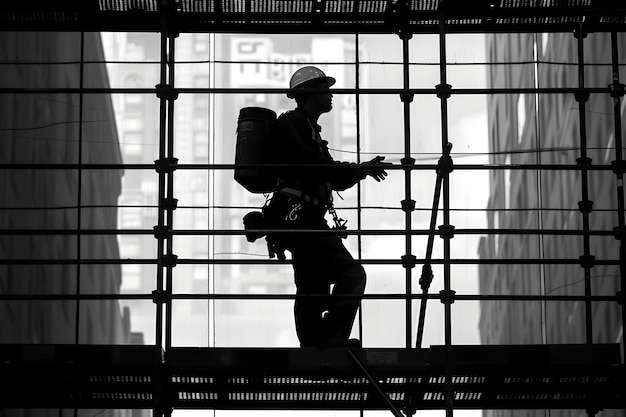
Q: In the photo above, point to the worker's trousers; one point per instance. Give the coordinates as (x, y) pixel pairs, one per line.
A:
(325, 273)
(329, 282)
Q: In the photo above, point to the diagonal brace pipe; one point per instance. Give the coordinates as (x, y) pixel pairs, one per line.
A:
(375, 384)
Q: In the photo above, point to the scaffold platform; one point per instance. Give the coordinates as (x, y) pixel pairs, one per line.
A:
(472, 377)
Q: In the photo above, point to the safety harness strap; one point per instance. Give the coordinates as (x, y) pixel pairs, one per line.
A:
(292, 192)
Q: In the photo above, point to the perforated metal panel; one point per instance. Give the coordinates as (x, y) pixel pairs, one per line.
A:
(479, 377)
(323, 16)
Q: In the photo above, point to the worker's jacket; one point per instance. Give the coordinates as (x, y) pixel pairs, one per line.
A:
(299, 143)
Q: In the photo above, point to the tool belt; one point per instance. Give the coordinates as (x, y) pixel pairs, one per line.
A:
(289, 208)
(292, 192)
(292, 208)
(304, 214)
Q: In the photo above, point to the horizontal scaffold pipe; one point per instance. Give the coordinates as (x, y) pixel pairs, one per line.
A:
(265, 260)
(362, 232)
(284, 91)
(240, 296)
(256, 207)
(260, 62)
(413, 167)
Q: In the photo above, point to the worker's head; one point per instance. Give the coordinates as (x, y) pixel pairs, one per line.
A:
(305, 86)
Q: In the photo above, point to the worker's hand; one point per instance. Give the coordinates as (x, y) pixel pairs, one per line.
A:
(375, 168)
(275, 250)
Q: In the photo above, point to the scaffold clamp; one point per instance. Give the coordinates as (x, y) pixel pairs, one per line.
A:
(166, 92)
(409, 261)
(581, 96)
(166, 165)
(585, 207)
(408, 205)
(409, 408)
(406, 97)
(616, 89)
(443, 90)
(160, 297)
(170, 204)
(619, 167)
(620, 232)
(427, 277)
(446, 231)
(587, 261)
(161, 232)
(445, 165)
(447, 296)
(581, 32)
(592, 411)
(404, 33)
(170, 260)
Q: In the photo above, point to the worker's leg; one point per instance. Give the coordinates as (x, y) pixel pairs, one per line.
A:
(308, 311)
(349, 279)
(318, 262)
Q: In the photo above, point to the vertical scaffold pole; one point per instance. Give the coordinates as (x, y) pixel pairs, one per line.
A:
(79, 213)
(408, 205)
(446, 229)
(585, 205)
(359, 196)
(165, 167)
(617, 92)
(160, 227)
(170, 201)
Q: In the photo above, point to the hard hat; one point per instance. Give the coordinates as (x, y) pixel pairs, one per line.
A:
(306, 74)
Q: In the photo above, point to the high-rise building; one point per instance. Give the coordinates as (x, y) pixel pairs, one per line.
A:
(45, 129)
(132, 61)
(48, 139)
(545, 129)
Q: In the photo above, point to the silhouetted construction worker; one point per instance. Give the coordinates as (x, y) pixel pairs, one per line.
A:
(300, 202)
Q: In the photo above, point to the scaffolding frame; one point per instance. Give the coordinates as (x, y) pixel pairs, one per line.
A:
(398, 17)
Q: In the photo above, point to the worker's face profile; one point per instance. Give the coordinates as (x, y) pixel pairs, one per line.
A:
(324, 99)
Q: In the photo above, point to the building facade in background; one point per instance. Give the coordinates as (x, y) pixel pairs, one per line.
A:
(39, 128)
(545, 129)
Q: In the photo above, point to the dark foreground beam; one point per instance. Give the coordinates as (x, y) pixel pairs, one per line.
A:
(475, 377)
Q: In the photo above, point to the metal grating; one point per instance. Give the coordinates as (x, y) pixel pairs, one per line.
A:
(322, 16)
(480, 377)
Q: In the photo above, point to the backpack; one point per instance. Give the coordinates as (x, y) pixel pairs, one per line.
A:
(255, 131)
